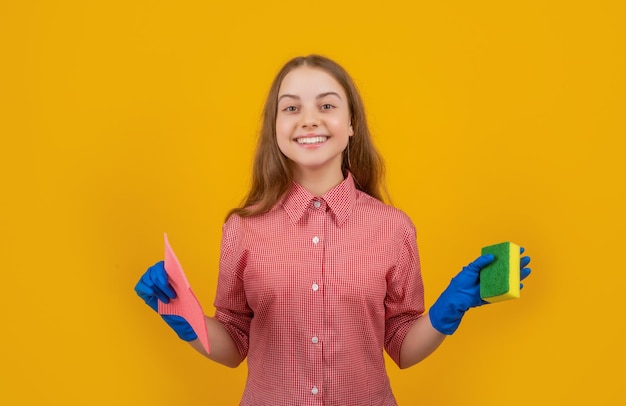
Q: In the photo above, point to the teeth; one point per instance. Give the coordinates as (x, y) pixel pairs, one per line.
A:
(311, 140)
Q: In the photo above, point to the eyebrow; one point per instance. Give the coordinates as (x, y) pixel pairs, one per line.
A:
(319, 96)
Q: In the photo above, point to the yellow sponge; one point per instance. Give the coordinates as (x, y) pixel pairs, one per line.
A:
(500, 279)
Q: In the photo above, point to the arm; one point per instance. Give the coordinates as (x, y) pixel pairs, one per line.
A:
(421, 340)
(154, 286)
(223, 349)
(444, 317)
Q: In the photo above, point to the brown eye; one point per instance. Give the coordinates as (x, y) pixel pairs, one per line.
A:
(327, 106)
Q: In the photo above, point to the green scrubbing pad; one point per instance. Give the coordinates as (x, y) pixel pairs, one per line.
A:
(500, 279)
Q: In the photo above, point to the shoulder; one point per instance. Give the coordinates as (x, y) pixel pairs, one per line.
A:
(238, 226)
(371, 205)
(379, 212)
(232, 230)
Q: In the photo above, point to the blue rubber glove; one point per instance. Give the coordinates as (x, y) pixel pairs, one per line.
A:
(154, 286)
(463, 293)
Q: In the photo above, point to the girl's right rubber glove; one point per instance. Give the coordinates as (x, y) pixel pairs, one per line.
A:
(154, 286)
(463, 293)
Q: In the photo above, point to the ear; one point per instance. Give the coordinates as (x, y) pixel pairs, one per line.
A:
(350, 131)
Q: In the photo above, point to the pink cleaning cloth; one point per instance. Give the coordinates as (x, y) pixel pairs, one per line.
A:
(185, 304)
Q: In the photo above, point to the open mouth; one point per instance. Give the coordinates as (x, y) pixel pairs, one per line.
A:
(311, 140)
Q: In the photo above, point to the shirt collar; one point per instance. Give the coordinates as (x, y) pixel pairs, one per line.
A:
(339, 199)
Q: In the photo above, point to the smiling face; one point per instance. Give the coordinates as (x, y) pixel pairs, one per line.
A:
(313, 122)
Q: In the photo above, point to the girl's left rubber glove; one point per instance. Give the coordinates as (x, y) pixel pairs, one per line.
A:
(154, 286)
(463, 293)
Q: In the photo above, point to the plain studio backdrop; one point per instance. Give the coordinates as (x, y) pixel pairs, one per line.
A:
(122, 120)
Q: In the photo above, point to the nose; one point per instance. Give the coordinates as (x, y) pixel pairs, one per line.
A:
(309, 118)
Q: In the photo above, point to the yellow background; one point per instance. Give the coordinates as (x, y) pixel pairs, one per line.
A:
(122, 120)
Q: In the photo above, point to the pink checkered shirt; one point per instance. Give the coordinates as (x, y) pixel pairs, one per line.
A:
(312, 292)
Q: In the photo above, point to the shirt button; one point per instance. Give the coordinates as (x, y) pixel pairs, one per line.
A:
(316, 239)
(317, 204)
(314, 340)
(315, 287)
(314, 390)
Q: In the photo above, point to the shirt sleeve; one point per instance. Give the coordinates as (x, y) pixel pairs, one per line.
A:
(404, 302)
(231, 305)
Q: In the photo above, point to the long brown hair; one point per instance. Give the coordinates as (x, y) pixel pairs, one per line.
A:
(271, 174)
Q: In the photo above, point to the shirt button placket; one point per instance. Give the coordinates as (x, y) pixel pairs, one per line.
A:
(318, 215)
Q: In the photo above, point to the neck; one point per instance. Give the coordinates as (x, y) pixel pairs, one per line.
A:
(318, 181)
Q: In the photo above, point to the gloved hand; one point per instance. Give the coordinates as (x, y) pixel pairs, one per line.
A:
(463, 293)
(154, 286)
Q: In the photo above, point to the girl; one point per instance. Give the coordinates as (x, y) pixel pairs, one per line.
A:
(317, 274)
